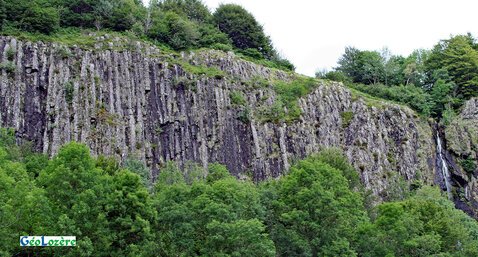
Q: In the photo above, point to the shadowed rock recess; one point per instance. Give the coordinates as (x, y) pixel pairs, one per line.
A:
(130, 99)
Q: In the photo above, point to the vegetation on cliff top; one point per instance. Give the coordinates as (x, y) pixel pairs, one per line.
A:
(318, 209)
(433, 82)
(179, 24)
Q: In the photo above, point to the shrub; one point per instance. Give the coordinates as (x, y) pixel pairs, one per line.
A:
(468, 165)
(69, 92)
(415, 97)
(210, 35)
(285, 108)
(10, 54)
(8, 66)
(245, 115)
(346, 118)
(176, 31)
(237, 98)
(251, 52)
(193, 10)
(222, 47)
(44, 20)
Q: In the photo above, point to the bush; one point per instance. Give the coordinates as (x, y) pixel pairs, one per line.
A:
(237, 98)
(193, 10)
(119, 15)
(334, 76)
(468, 165)
(285, 108)
(415, 97)
(8, 66)
(346, 118)
(210, 36)
(251, 52)
(174, 30)
(222, 47)
(283, 64)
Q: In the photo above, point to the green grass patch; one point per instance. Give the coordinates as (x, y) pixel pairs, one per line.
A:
(346, 118)
(66, 36)
(69, 91)
(10, 54)
(201, 70)
(8, 66)
(286, 108)
(237, 98)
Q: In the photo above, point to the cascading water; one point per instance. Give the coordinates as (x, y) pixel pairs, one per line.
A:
(444, 168)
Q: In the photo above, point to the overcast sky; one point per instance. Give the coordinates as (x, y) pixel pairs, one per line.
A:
(312, 34)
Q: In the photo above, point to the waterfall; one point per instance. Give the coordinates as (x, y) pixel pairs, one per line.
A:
(444, 168)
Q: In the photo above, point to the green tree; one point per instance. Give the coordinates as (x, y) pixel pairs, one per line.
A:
(174, 30)
(195, 27)
(313, 211)
(372, 68)
(24, 208)
(78, 13)
(349, 64)
(394, 70)
(139, 168)
(124, 15)
(243, 29)
(34, 16)
(441, 96)
(219, 218)
(170, 174)
(333, 75)
(76, 190)
(459, 57)
(118, 15)
(129, 212)
(238, 238)
(42, 19)
(414, 68)
(193, 10)
(424, 225)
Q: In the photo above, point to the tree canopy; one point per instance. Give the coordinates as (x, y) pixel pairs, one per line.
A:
(243, 29)
(440, 79)
(317, 209)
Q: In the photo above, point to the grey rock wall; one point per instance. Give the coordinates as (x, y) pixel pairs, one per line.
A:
(462, 142)
(130, 99)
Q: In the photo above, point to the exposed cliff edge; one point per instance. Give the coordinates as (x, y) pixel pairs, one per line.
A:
(130, 99)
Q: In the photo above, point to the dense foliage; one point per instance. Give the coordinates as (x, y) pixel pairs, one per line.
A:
(243, 29)
(180, 24)
(432, 82)
(316, 210)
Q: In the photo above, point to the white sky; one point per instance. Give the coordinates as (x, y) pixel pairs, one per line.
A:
(312, 34)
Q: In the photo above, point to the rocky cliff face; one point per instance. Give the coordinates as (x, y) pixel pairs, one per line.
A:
(462, 142)
(130, 99)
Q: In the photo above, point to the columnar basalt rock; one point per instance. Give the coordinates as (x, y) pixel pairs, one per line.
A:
(127, 99)
(462, 142)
